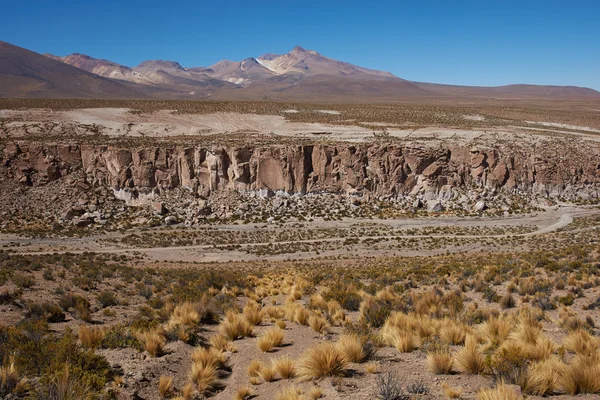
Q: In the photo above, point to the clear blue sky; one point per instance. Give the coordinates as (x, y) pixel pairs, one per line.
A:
(484, 42)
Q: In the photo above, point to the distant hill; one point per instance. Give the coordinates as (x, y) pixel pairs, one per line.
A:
(298, 75)
(511, 91)
(24, 73)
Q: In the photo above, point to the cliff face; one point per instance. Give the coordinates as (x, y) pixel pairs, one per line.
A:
(379, 169)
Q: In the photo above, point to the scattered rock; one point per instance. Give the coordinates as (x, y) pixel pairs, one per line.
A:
(480, 206)
(170, 220)
(159, 208)
(434, 206)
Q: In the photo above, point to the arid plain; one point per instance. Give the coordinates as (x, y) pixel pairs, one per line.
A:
(418, 249)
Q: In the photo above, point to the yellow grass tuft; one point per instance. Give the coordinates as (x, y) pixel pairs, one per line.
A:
(244, 393)
(315, 393)
(403, 340)
(301, 316)
(254, 368)
(234, 326)
(495, 331)
(280, 324)
(188, 391)
(289, 393)
(267, 373)
(452, 333)
(440, 362)
(203, 376)
(90, 337)
(11, 384)
(470, 359)
(153, 341)
(320, 361)
(165, 384)
(318, 324)
(253, 314)
(221, 343)
(351, 346)
(269, 339)
(284, 366)
(371, 367)
(581, 375)
(451, 392)
(581, 342)
(184, 314)
(543, 376)
(208, 357)
(501, 392)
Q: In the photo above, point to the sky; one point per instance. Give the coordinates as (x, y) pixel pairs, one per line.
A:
(482, 43)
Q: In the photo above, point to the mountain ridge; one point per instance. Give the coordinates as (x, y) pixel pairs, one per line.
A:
(297, 75)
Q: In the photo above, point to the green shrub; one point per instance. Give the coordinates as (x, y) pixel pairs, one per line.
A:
(23, 281)
(107, 298)
(374, 312)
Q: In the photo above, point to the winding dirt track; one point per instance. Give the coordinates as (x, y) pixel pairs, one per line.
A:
(545, 222)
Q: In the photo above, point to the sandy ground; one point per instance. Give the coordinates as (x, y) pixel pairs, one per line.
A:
(541, 223)
(119, 122)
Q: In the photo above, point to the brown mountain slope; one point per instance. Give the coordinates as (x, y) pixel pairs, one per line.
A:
(24, 73)
(310, 62)
(297, 86)
(105, 68)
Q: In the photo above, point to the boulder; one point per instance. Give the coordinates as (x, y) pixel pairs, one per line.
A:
(480, 206)
(170, 220)
(435, 206)
(159, 208)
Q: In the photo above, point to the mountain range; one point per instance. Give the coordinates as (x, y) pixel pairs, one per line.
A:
(298, 75)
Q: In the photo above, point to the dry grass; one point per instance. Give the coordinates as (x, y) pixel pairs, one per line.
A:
(451, 392)
(90, 337)
(495, 331)
(203, 376)
(285, 367)
(403, 341)
(253, 314)
(244, 393)
(184, 314)
(371, 367)
(153, 341)
(208, 357)
(318, 324)
(581, 342)
(289, 393)
(440, 362)
(221, 343)
(11, 384)
(452, 333)
(188, 391)
(315, 393)
(501, 392)
(470, 359)
(543, 377)
(351, 346)
(269, 339)
(320, 361)
(254, 368)
(267, 373)
(165, 385)
(581, 375)
(234, 326)
(280, 324)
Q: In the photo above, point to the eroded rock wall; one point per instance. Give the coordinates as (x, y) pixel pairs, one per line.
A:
(379, 169)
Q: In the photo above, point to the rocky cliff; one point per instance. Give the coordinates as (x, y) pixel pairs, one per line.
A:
(380, 169)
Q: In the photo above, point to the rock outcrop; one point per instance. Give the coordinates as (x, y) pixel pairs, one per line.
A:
(374, 168)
